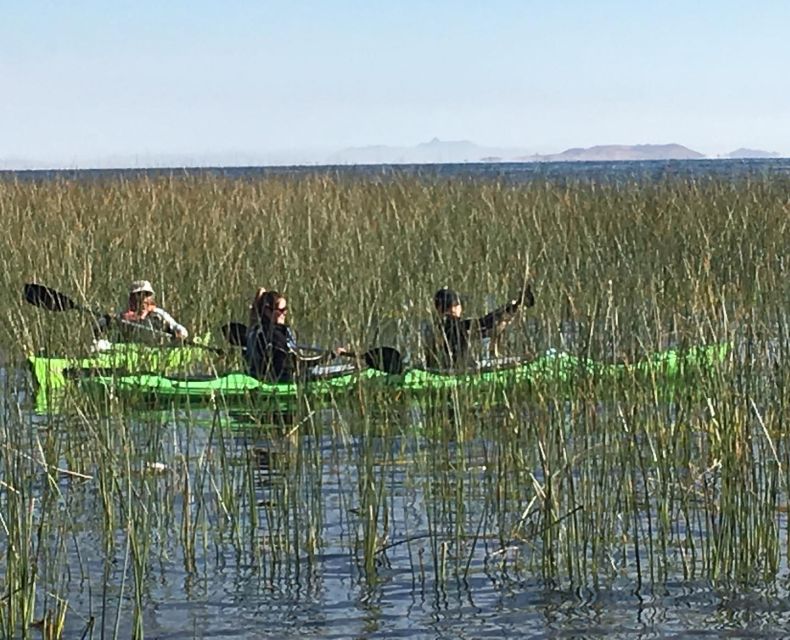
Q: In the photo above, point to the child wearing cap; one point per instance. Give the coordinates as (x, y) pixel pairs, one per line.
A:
(447, 339)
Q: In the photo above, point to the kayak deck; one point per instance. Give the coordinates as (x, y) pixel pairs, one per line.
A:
(551, 367)
(52, 373)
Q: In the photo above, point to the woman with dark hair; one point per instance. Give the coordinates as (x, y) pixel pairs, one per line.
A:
(272, 353)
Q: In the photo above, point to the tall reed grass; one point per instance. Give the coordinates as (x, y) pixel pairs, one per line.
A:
(360, 259)
(606, 484)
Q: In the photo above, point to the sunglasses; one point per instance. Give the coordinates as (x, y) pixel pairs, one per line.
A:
(279, 310)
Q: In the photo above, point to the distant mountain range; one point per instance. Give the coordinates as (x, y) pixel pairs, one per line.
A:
(440, 151)
(613, 152)
(751, 153)
(434, 152)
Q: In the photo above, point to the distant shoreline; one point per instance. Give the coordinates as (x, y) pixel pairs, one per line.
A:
(610, 170)
(434, 152)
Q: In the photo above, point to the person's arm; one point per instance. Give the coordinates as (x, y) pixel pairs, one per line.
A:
(506, 312)
(307, 355)
(297, 352)
(489, 321)
(178, 330)
(314, 358)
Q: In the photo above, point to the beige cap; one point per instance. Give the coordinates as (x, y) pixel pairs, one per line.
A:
(141, 286)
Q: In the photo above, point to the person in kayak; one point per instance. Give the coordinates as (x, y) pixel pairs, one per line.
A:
(272, 353)
(141, 317)
(448, 338)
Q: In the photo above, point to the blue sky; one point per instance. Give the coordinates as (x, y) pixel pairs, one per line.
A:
(83, 81)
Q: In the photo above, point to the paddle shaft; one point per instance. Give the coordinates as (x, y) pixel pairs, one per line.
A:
(382, 358)
(236, 334)
(163, 334)
(52, 300)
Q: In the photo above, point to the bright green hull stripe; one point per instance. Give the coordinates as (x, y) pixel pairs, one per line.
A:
(549, 368)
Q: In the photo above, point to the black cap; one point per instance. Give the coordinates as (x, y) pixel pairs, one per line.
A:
(445, 299)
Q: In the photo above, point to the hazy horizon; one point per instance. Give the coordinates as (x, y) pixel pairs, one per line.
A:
(294, 82)
(297, 157)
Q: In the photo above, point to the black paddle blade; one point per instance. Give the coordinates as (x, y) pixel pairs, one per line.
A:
(384, 359)
(46, 298)
(528, 296)
(235, 333)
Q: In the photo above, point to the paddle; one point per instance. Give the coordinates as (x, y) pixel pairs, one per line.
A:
(46, 298)
(235, 333)
(386, 359)
(527, 297)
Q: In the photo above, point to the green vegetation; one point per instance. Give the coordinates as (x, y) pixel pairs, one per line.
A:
(614, 483)
(361, 256)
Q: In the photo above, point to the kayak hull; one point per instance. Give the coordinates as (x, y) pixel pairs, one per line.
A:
(51, 374)
(551, 368)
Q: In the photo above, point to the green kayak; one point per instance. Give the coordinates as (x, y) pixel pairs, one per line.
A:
(51, 374)
(553, 366)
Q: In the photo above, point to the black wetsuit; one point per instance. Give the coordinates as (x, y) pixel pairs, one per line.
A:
(273, 355)
(447, 342)
(271, 352)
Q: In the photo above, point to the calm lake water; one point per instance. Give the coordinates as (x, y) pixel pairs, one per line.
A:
(440, 571)
(511, 171)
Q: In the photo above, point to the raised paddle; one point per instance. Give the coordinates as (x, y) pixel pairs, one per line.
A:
(46, 298)
(386, 359)
(527, 297)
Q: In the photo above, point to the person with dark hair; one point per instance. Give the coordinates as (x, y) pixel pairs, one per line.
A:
(272, 353)
(447, 339)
